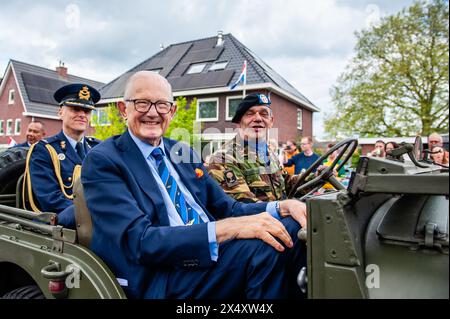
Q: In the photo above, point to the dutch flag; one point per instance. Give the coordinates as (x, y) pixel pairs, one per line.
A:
(242, 77)
(11, 142)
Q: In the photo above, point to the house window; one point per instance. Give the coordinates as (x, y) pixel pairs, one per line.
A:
(100, 117)
(2, 127)
(299, 119)
(156, 70)
(218, 66)
(232, 104)
(207, 110)
(17, 127)
(9, 127)
(11, 97)
(196, 68)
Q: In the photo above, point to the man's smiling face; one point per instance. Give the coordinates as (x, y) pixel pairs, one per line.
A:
(150, 126)
(256, 122)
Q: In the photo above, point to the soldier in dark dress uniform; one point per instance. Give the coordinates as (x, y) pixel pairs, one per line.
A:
(53, 164)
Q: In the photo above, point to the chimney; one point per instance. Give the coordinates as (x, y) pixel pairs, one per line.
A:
(161, 47)
(219, 39)
(61, 70)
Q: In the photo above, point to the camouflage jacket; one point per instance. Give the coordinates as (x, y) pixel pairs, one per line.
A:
(245, 176)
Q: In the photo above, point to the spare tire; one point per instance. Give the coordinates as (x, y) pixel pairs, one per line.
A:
(27, 292)
(12, 166)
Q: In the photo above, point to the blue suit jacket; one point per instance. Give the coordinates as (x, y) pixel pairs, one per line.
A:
(131, 230)
(46, 189)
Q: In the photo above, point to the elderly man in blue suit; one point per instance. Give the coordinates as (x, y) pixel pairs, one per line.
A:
(167, 229)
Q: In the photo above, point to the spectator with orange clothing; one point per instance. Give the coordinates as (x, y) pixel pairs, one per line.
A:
(290, 151)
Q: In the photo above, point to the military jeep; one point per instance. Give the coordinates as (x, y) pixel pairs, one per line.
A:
(40, 259)
(383, 236)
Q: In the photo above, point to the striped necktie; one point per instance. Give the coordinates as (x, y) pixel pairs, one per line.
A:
(188, 215)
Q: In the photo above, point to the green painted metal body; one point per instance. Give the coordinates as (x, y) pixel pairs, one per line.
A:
(33, 250)
(384, 237)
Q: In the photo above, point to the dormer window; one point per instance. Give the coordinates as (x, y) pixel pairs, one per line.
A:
(158, 71)
(218, 66)
(196, 68)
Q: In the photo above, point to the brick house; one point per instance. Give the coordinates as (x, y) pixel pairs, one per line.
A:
(26, 95)
(205, 68)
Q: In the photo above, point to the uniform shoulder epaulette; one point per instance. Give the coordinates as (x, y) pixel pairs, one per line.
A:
(92, 139)
(51, 139)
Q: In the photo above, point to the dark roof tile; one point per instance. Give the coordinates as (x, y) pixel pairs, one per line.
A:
(175, 60)
(37, 85)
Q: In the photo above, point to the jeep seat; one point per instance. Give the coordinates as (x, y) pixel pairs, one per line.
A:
(82, 215)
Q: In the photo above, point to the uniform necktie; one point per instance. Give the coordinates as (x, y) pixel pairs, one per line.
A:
(188, 214)
(80, 150)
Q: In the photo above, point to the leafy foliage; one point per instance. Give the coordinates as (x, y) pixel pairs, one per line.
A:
(397, 84)
(117, 124)
(183, 125)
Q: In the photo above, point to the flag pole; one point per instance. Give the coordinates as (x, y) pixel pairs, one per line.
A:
(245, 80)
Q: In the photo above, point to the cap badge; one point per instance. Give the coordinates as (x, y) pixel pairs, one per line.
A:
(84, 93)
(263, 99)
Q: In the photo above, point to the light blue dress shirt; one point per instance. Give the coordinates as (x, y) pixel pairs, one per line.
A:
(72, 142)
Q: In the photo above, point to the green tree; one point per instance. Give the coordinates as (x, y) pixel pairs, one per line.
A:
(112, 116)
(183, 125)
(397, 83)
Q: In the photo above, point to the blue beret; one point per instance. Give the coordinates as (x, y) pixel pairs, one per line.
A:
(77, 94)
(249, 101)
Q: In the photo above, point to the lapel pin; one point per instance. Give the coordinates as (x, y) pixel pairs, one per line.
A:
(61, 156)
(198, 172)
(63, 145)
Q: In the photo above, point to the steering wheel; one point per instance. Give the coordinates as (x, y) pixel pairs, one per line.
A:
(326, 175)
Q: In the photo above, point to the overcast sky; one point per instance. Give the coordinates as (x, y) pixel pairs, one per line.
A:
(307, 42)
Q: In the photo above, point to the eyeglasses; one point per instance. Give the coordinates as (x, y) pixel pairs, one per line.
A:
(143, 106)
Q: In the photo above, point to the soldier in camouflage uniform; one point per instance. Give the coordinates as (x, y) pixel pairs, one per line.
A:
(245, 166)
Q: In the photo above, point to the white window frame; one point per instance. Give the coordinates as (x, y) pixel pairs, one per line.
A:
(215, 119)
(227, 118)
(300, 112)
(2, 127)
(15, 126)
(9, 130)
(96, 111)
(215, 66)
(11, 96)
(189, 70)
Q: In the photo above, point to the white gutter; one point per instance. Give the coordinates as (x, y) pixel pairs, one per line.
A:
(53, 117)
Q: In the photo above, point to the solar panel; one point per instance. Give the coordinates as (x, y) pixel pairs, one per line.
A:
(202, 80)
(40, 89)
(196, 56)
